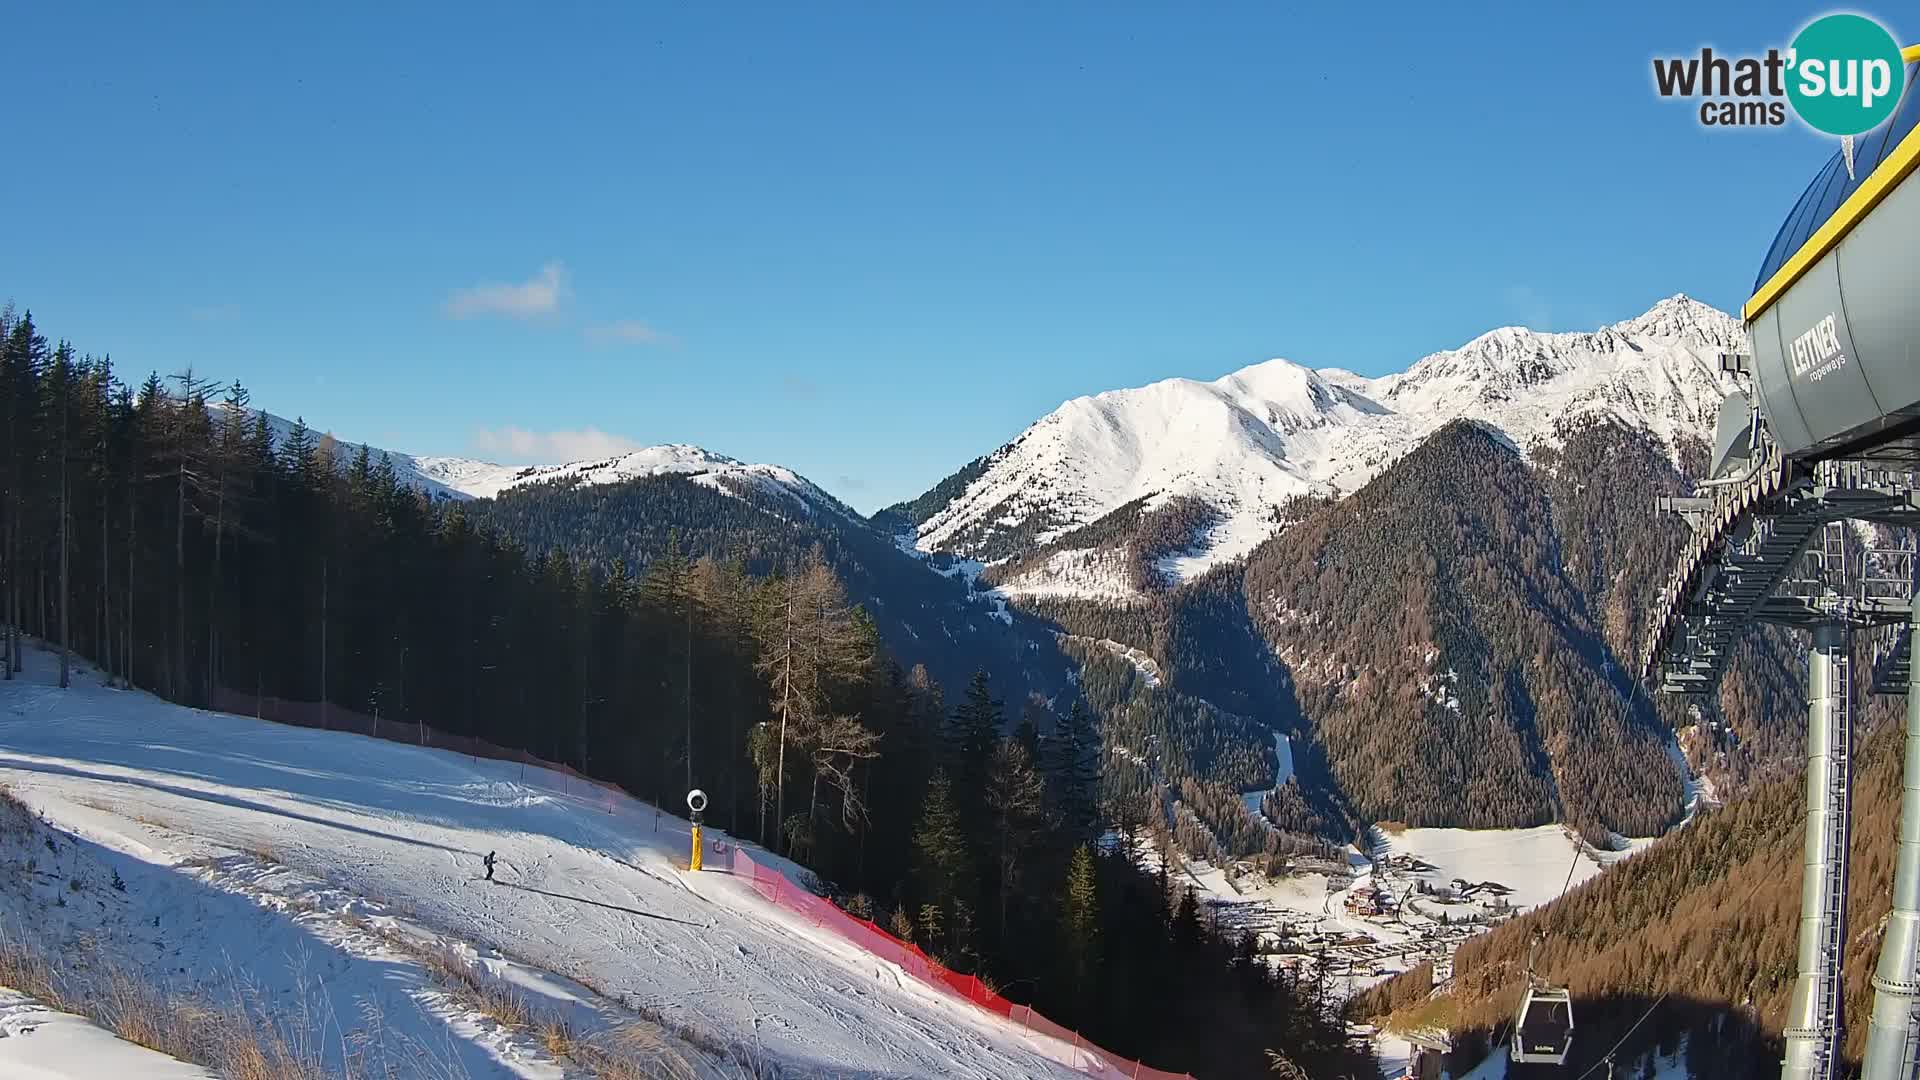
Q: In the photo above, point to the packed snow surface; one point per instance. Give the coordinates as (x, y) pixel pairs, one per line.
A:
(1245, 442)
(296, 857)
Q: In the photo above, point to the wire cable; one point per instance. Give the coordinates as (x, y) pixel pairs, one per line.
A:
(1591, 1069)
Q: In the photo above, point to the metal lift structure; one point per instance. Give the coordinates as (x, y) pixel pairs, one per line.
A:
(1824, 430)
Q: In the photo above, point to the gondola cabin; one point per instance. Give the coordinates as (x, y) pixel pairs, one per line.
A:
(1543, 1032)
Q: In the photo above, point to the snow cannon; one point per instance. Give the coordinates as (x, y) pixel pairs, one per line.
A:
(1833, 322)
(696, 802)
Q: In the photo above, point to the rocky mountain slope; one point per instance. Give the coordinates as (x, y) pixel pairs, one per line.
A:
(1448, 661)
(1244, 445)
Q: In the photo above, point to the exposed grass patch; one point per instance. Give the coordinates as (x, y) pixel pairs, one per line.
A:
(238, 1039)
(17, 820)
(645, 1049)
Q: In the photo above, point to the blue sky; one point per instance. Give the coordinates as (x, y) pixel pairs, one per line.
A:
(870, 242)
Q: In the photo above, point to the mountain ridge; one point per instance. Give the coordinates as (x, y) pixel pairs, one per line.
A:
(1251, 440)
(461, 478)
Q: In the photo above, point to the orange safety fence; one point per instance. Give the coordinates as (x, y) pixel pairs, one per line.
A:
(781, 891)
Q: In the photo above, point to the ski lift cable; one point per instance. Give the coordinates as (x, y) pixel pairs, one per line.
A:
(1615, 1048)
(1607, 1058)
(1591, 1069)
(1557, 1001)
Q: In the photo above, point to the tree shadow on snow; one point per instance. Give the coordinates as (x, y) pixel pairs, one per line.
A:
(8, 761)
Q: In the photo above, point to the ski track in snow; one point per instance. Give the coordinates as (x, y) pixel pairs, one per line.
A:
(393, 835)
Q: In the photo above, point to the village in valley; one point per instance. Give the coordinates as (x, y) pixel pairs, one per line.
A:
(1412, 897)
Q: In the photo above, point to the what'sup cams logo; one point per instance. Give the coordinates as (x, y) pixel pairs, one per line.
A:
(1842, 75)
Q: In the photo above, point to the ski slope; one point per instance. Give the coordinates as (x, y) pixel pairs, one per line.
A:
(295, 858)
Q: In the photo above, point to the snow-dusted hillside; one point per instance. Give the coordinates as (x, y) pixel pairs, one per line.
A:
(1245, 442)
(317, 869)
(717, 471)
(468, 478)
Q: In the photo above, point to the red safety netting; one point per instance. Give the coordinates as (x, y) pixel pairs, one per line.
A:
(781, 891)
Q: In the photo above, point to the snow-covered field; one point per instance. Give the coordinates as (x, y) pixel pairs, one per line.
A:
(317, 867)
(1537, 863)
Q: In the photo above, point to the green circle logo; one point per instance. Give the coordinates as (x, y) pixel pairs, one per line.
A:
(1846, 74)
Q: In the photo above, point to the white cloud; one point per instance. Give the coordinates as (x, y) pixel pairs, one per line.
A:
(626, 332)
(520, 446)
(538, 296)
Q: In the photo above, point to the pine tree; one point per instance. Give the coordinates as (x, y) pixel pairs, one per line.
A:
(668, 588)
(60, 391)
(972, 735)
(186, 449)
(21, 357)
(1070, 757)
(1186, 920)
(1016, 798)
(228, 461)
(1080, 924)
(941, 861)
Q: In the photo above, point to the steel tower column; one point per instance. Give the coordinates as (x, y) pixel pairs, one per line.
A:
(1813, 1020)
(1893, 1036)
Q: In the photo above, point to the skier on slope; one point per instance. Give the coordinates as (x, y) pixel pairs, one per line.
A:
(489, 861)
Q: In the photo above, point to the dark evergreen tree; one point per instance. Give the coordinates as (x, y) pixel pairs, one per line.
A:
(1070, 758)
(973, 733)
(941, 859)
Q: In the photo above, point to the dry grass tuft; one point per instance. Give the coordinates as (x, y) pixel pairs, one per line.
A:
(503, 1003)
(239, 1041)
(557, 1036)
(16, 820)
(642, 1050)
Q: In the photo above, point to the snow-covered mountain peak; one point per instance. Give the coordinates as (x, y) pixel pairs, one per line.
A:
(1681, 316)
(1245, 442)
(1295, 396)
(703, 466)
(467, 478)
